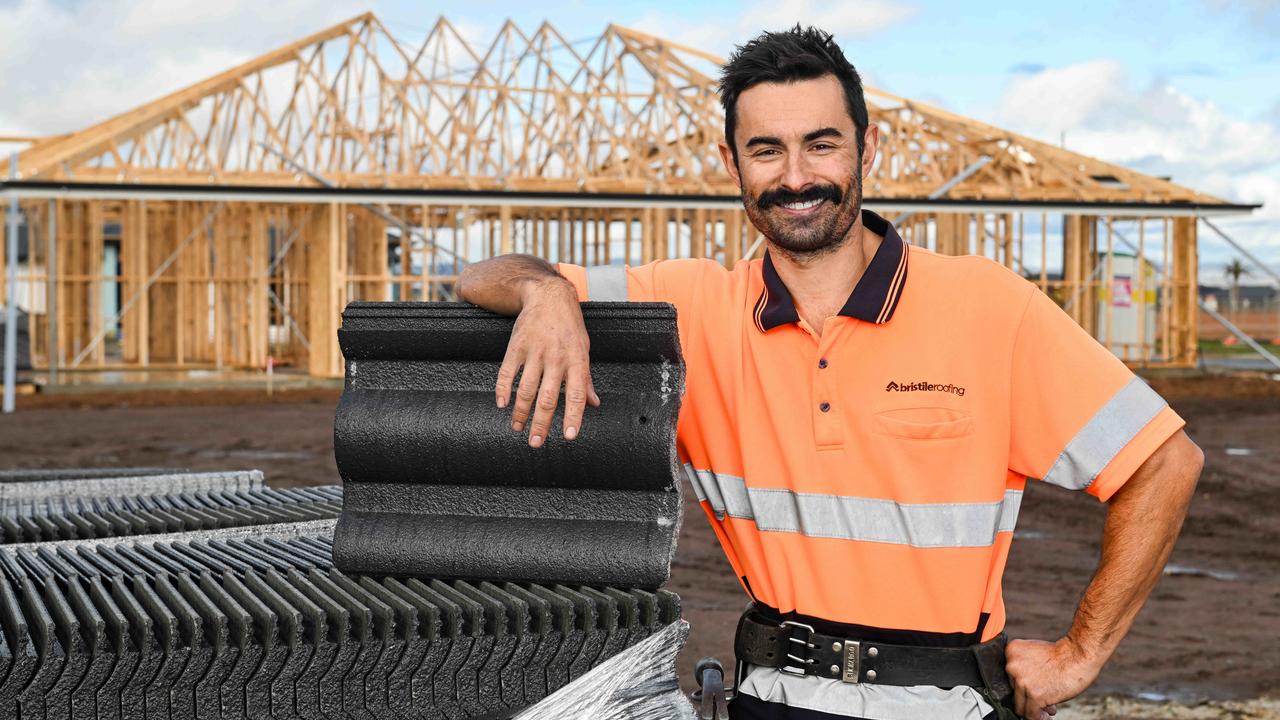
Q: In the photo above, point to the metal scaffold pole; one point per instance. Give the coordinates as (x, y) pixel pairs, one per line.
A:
(52, 292)
(11, 296)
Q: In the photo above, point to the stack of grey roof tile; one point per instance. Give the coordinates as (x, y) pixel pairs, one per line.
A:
(69, 518)
(256, 623)
(58, 484)
(437, 484)
(78, 506)
(476, 576)
(36, 474)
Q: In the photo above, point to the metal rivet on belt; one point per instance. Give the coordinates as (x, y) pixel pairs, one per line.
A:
(871, 674)
(835, 669)
(836, 647)
(872, 652)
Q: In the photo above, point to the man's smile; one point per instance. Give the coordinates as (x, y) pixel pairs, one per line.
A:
(802, 208)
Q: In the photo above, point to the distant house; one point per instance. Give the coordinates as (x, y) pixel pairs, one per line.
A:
(1251, 297)
(1258, 314)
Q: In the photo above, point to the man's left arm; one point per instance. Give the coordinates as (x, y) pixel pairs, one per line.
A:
(1143, 520)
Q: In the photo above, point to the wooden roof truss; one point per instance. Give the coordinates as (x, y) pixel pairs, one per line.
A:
(621, 112)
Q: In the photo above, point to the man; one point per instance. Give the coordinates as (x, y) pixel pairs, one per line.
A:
(860, 419)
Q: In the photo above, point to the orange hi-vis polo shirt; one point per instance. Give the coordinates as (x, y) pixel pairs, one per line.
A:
(872, 476)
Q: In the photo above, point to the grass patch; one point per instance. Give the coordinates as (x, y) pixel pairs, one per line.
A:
(1215, 347)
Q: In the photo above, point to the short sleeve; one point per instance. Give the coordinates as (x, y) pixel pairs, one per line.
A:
(694, 286)
(672, 281)
(1079, 418)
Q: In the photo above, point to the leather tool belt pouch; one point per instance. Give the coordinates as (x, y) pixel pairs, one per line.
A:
(796, 648)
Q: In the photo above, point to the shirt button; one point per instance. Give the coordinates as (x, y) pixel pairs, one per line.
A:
(822, 364)
(824, 406)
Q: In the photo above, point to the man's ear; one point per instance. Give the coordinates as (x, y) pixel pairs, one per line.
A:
(870, 144)
(730, 163)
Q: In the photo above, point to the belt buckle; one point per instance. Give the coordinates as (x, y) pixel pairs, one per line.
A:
(803, 662)
(852, 658)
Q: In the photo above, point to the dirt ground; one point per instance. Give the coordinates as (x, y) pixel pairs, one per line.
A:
(1211, 630)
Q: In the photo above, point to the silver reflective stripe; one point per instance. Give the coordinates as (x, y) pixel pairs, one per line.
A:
(698, 490)
(845, 517)
(607, 283)
(863, 700)
(726, 493)
(1009, 511)
(1106, 434)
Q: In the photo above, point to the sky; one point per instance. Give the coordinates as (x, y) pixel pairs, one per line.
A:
(1186, 89)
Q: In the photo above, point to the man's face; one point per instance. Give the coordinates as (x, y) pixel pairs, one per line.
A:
(798, 164)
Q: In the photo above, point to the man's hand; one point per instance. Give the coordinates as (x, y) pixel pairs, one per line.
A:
(1143, 519)
(1044, 674)
(550, 343)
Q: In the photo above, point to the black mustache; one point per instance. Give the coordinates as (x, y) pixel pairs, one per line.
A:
(782, 196)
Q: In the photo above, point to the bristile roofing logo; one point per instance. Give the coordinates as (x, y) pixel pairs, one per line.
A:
(924, 387)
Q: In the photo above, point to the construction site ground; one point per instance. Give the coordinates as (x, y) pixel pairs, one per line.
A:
(1206, 646)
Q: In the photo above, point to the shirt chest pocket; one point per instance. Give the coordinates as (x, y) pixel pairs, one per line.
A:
(923, 423)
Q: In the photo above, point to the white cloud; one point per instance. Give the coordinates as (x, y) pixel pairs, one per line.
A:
(1057, 99)
(63, 67)
(1160, 130)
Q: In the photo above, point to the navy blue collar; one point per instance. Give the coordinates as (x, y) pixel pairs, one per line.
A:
(873, 299)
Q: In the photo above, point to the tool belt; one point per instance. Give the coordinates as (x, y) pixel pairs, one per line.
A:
(795, 647)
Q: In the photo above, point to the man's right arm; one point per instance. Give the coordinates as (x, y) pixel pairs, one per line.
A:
(549, 340)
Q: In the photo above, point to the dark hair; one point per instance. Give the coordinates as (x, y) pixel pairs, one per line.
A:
(796, 54)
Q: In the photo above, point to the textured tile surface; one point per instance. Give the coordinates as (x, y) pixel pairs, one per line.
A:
(257, 623)
(438, 485)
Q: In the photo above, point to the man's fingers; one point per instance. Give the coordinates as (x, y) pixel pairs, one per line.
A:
(592, 398)
(526, 393)
(548, 397)
(507, 376)
(575, 400)
(1020, 701)
(1033, 709)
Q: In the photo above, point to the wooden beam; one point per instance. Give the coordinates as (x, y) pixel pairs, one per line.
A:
(324, 279)
(504, 220)
(1185, 291)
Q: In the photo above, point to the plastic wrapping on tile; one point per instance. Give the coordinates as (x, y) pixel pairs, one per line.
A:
(638, 683)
